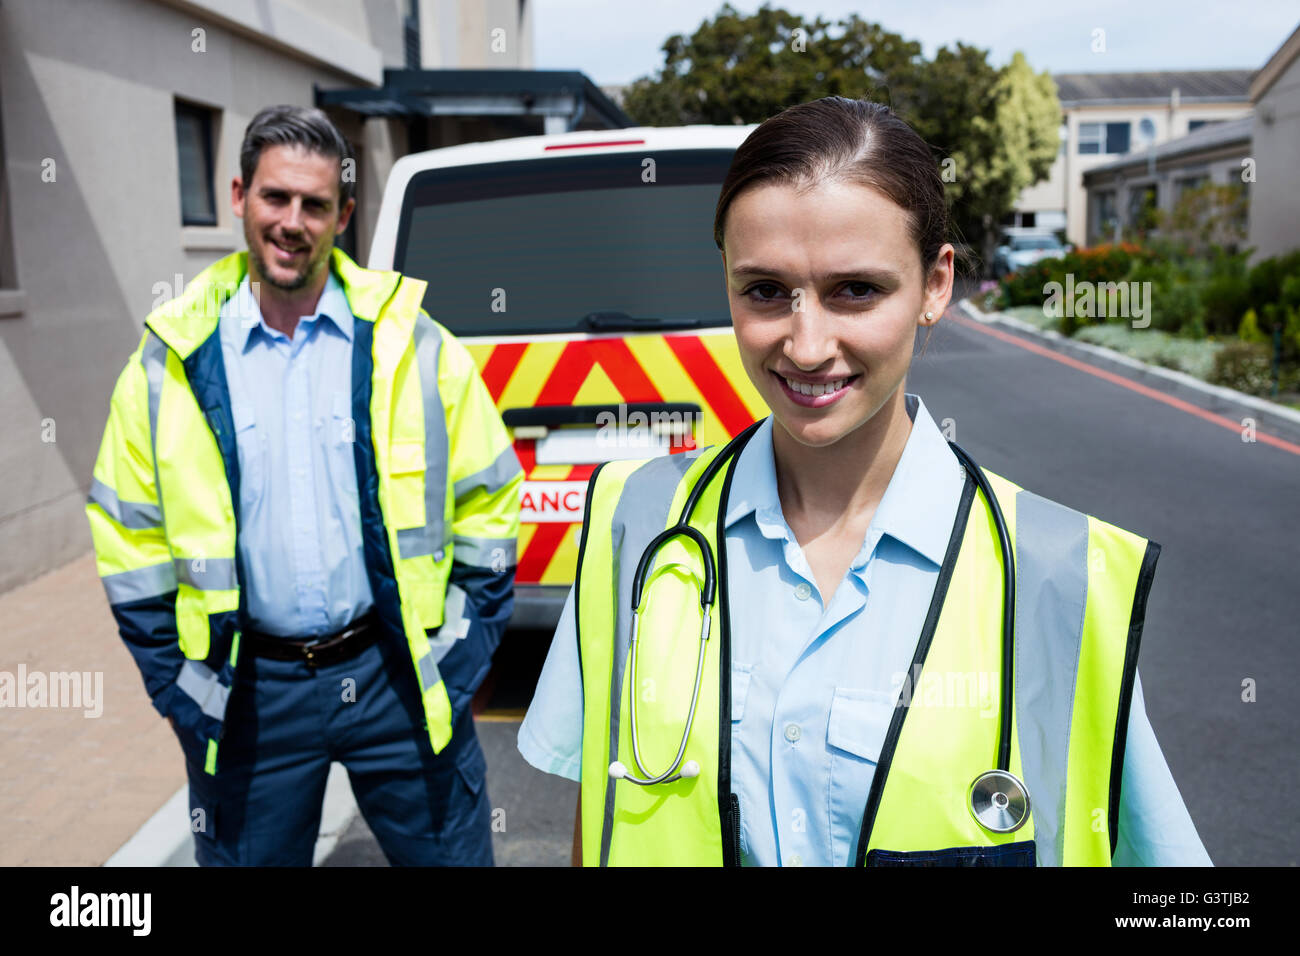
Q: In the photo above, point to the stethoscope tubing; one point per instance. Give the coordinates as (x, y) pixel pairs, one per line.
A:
(708, 595)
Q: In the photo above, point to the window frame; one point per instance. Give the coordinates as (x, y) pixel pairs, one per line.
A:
(1102, 138)
(208, 122)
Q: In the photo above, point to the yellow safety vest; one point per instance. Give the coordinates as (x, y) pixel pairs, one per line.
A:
(163, 514)
(1081, 589)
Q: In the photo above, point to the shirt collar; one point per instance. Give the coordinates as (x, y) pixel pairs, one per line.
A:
(332, 305)
(918, 505)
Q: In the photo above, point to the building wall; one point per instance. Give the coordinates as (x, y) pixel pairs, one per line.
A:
(87, 92)
(1221, 166)
(461, 34)
(1275, 194)
(1063, 189)
(1169, 124)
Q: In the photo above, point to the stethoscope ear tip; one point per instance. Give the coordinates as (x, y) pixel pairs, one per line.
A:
(617, 771)
(690, 769)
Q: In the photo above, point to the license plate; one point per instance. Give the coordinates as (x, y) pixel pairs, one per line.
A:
(589, 446)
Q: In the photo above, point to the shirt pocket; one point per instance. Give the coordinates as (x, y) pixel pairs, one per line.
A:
(739, 690)
(859, 721)
(248, 441)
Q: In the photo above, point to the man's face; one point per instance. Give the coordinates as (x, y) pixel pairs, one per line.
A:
(291, 215)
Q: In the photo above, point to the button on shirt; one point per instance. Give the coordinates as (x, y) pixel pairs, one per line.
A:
(300, 521)
(812, 699)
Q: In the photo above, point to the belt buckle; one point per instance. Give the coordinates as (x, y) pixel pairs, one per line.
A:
(308, 651)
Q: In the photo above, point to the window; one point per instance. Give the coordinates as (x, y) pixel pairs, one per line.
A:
(1103, 138)
(8, 276)
(1186, 184)
(1107, 212)
(411, 34)
(522, 226)
(1143, 203)
(194, 160)
(1194, 125)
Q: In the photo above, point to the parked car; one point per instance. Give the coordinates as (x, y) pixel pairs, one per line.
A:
(1024, 249)
(580, 271)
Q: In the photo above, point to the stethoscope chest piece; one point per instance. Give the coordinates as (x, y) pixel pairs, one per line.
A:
(999, 801)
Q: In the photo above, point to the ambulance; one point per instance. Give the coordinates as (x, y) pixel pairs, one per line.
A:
(580, 271)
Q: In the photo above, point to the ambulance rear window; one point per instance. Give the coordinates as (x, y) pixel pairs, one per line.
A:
(537, 245)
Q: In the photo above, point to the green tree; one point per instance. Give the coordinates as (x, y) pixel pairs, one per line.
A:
(998, 127)
(737, 69)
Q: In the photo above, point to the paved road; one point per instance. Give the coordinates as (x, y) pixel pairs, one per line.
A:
(1224, 608)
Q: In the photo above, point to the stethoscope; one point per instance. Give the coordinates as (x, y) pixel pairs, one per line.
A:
(998, 799)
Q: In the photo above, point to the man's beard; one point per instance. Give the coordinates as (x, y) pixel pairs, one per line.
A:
(292, 285)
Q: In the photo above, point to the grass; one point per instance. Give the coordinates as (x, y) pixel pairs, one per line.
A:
(1033, 314)
(1195, 357)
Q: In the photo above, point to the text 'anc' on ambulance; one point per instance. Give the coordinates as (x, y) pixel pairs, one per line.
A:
(579, 270)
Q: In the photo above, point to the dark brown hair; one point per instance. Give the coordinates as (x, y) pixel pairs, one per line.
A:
(853, 140)
(288, 125)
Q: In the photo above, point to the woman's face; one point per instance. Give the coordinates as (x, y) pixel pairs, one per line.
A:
(826, 292)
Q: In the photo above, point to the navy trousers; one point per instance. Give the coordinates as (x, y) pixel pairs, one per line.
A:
(285, 724)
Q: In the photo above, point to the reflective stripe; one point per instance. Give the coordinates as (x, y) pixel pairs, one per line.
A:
(151, 581)
(200, 683)
(207, 574)
(428, 670)
(494, 477)
(414, 542)
(455, 624)
(433, 537)
(136, 515)
(641, 513)
(495, 553)
(1051, 552)
(154, 359)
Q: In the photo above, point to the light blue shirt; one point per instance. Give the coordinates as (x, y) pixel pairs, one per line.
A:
(300, 520)
(812, 699)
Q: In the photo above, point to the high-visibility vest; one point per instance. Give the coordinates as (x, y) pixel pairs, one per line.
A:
(429, 448)
(1081, 589)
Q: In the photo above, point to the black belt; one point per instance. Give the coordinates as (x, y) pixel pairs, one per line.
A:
(317, 651)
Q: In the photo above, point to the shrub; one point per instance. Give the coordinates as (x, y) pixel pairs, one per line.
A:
(1225, 297)
(1176, 307)
(1267, 276)
(1025, 287)
(1245, 366)
(1104, 263)
(1249, 331)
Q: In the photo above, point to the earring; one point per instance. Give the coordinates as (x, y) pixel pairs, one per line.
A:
(929, 316)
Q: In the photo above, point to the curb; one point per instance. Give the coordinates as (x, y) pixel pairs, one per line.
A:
(165, 838)
(1282, 421)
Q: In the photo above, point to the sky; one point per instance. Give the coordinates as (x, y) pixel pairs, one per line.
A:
(617, 41)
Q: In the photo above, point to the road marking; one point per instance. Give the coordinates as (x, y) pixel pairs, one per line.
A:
(1124, 382)
(506, 715)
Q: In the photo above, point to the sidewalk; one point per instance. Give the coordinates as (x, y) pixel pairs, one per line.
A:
(76, 787)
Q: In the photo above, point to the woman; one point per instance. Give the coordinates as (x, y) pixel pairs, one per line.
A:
(857, 639)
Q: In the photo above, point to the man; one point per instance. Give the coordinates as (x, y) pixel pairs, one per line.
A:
(304, 510)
